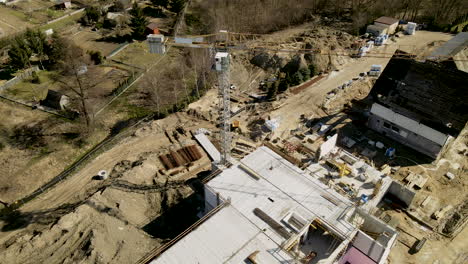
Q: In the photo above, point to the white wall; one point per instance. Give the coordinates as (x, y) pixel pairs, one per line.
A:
(328, 146)
(369, 246)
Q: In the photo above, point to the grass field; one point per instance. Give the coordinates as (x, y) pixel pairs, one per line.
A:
(12, 21)
(89, 40)
(28, 91)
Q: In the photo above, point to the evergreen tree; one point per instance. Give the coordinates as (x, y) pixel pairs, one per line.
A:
(283, 85)
(297, 78)
(37, 42)
(313, 70)
(305, 73)
(272, 91)
(56, 49)
(160, 3)
(177, 5)
(20, 54)
(138, 22)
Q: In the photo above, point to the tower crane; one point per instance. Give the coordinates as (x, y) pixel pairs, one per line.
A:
(224, 42)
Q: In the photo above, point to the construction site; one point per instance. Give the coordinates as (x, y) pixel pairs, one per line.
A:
(310, 145)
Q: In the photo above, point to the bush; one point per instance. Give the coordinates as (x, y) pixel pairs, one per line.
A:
(297, 78)
(35, 78)
(313, 70)
(305, 73)
(272, 91)
(96, 57)
(283, 85)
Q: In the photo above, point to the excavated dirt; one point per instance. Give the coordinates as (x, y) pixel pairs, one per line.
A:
(84, 220)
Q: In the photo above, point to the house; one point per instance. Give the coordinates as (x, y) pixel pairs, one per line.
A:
(113, 15)
(55, 100)
(264, 209)
(153, 28)
(454, 53)
(422, 105)
(382, 26)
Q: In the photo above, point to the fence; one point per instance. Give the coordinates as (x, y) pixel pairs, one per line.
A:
(26, 74)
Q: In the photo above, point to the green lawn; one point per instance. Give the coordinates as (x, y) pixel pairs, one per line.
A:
(28, 91)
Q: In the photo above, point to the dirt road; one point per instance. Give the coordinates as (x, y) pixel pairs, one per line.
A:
(79, 186)
(307, 102)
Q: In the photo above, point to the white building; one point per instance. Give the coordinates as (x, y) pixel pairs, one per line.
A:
(266, 210)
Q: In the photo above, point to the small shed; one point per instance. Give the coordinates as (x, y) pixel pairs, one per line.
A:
(389, 22)
(49, 32)
(63, 4)
(55, 100)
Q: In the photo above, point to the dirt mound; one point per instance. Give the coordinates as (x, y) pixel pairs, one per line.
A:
(90, 234)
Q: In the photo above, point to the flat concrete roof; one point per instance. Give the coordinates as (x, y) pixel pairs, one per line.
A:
(266, 181)
(261, 180)
(226, 237)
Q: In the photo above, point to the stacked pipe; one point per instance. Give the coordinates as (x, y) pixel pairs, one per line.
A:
(180, 157)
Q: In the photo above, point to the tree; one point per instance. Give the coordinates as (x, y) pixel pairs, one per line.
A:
(305, 73)
(177, 5)
(92, 15)
(313, 69)
(56, 50)
(96, 57)
(283, 85)
(19, 54)
(138, 22)
(78, 77)
(272, 91)
(118, 6)
(160, 3)
(297, 78)
(37, 42)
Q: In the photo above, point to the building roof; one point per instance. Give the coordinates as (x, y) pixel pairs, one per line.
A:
(456, 48)
(212, 151)
(453, 46)
(152, 25)
(409, 124)
(426, 92)
(386, 20)
(266, 181)
(52, 99)
(226, 237)
(261, 181)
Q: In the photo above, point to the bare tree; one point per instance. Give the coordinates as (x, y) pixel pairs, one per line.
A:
(77, 78)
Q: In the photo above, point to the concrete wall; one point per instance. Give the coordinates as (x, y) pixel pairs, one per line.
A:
(328, 146)
(405, 137)
(211, 199)
(376, 30)
(391, 28)
(403, 193)
(368, 246)
(373, 224)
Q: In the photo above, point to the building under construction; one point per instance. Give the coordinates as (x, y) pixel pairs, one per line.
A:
(420, 104)
(264, 209)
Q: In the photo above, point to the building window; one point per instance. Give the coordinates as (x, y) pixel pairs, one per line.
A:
(387, 125)
(396, 129)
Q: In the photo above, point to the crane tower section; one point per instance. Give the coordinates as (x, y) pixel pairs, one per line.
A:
(222, 61)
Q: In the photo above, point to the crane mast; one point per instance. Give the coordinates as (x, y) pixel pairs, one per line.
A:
(222, 62)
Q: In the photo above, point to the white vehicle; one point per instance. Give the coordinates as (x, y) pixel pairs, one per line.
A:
(375, 70)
